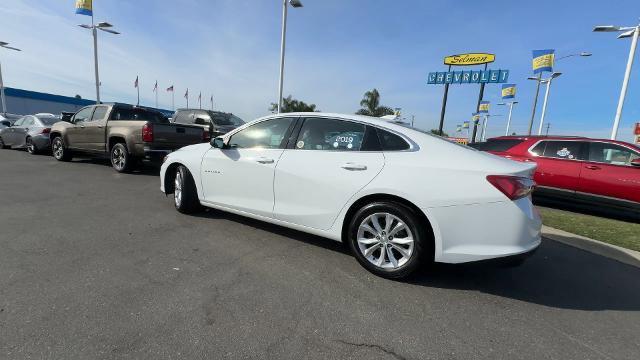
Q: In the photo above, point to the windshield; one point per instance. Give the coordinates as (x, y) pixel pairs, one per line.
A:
(225, 119)
(49, 120)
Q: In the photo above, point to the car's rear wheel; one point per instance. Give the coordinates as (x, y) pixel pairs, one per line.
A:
(120, 158)
(388, 239)
(31, 147)
(59, 151)
(185, 194)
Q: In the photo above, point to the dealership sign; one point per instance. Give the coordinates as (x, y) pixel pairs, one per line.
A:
(469, 59)
(468, 77)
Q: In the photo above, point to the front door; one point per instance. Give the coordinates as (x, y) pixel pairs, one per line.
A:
(609, 173)
(95, 130)
(9, 134)
(326, 167)
(241, 176)
(76, 136)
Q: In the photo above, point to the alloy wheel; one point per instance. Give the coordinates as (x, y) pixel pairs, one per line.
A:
(385, 240)
(57, 148)
(177, 192)
(31, 148)
(118, 158)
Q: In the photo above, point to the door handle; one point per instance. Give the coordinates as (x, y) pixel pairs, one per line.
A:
(99, 126)
(353, 167)
(264, 160)
(592, 167)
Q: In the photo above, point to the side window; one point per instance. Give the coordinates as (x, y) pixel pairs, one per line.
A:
(391, 142)
(269, 134)
(538, 150)
(19, 121)
(28, 121)
(330, 134)
(99, 114)
(569, 150)
(82, 115)
(611, 154)
(183, 117)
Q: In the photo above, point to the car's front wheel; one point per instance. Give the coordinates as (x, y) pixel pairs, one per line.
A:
(59, 151)
(185, 194)
(388, 239)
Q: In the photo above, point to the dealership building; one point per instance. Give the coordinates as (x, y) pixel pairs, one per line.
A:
(23, 102)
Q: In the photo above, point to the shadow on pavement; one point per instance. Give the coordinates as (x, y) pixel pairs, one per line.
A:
(143, 169)
(557, 275)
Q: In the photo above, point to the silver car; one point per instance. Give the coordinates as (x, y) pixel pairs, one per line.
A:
(30, 132)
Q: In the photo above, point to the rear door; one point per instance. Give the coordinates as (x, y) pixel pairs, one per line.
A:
(322, 170)
(608, 172)
(559, 164)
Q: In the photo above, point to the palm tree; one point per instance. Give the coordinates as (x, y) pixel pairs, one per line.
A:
(292, 105)
(371, 105)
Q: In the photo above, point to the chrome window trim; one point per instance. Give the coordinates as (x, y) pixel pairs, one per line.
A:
(585, 160)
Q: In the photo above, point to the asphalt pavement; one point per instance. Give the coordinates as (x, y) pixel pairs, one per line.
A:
(98, 265)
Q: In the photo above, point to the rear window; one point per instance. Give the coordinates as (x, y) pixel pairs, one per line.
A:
(48, 120)
(224, 119)
(139, 115)
(498, 145)
(391, 142)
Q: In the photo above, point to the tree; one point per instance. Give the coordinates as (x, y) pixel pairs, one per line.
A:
(292, 105)
(436, 132)
(371, 105)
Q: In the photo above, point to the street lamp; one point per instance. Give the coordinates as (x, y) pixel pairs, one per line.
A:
(295, 4)
(632, 32)
(546, 96)
(4, 44)
(510, 103)
(104, 26)
(484, 126)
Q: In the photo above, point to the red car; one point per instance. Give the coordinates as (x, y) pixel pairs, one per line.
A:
(593, 171)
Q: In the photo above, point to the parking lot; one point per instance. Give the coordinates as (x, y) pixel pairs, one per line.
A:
(96, 264)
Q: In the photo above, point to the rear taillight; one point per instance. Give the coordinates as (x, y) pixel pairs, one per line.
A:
(513, 187)
(147, 132)
(45, 131)
(206, 136)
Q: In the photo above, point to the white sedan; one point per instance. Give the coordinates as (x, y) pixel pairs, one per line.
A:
(399, 197)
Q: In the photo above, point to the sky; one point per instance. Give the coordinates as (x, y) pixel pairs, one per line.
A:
(336, 51)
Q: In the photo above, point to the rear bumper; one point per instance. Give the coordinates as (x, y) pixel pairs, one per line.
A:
(41, 142)
(476, 232)
(155, 156)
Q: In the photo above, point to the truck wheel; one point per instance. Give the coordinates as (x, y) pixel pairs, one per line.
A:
(120, 158)
(59, 151)
(185, 195)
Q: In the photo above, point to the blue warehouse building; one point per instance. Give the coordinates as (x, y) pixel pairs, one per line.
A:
(24, 102)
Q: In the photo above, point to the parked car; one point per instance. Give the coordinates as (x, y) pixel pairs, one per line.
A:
(578, 169)
(215, 123)
(399, 197)
(30, 132)
(125, 133)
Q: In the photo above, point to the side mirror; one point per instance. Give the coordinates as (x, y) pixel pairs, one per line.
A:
(218, 143)
(635, 162)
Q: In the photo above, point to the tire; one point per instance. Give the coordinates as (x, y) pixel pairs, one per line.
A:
(396, 226)
(121, 160)
(31, 147)
(59, 150)
(2, 144)
(185, 194)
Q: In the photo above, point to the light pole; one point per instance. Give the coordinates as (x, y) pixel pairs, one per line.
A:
(632, 32)
(295, 4)
(4, 103)
(546, 98)
(510, 103)
(484, 126)
(104, 26)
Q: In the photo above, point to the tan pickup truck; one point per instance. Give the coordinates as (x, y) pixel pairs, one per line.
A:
(124, 133)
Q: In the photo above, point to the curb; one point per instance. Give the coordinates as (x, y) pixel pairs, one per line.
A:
(626, 256)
